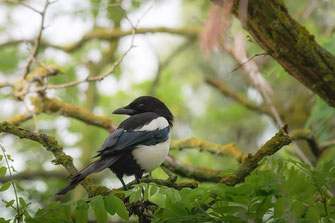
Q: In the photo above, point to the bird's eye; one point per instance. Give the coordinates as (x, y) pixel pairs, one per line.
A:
(141, 105)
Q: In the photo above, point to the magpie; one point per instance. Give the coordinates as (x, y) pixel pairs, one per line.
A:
(139, 144)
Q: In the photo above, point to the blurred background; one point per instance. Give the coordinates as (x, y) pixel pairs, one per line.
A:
(198, 75)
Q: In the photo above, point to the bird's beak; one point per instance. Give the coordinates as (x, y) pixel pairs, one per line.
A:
(124, 110)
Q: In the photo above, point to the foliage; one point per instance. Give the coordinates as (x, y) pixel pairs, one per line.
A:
(173, 68)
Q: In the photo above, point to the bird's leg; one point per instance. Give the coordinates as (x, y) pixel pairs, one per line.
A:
(138, 179)
(121, 179)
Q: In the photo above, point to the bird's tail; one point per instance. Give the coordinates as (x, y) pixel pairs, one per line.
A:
(94, 167)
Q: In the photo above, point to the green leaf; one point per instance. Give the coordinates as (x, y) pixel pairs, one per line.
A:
(298, 209)
(279, 207)
(66, 212)
(10, 158)
(313, 215)
(98, 206)
(230, 209)
(135, 196)
(18, 186)
(5, 186)
(22, 202)
(264, 207)
(111, 204)
(2, 220)
(153, 189)
(81, 212)
(146, 193)
(14, 170)
(121, 209)
(3, 171)
(1, 157)
(9, 203)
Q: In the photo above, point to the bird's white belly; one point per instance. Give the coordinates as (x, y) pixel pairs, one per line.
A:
(151, 157)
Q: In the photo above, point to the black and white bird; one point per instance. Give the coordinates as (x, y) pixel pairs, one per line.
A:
(140, 143)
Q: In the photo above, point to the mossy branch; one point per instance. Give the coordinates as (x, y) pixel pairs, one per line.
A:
(291, 45)
(251, 162)
(216, 149)
(55, 106)
(51, 144)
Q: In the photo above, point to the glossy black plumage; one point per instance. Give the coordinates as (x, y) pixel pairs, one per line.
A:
(116, 151)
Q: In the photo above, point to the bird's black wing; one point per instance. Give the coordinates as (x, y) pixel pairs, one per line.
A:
(121, 140)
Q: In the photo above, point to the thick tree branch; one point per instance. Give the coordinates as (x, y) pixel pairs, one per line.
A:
(51, 145)
(251, 162)
(291, 45)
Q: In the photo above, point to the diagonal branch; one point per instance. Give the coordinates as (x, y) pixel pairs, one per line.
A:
(231, 93)
(51, 145)
(250, 163)
(291, 45)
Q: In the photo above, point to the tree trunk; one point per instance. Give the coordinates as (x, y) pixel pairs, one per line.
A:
(291, 45)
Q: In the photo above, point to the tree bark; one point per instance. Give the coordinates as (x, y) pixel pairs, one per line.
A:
(291, 45)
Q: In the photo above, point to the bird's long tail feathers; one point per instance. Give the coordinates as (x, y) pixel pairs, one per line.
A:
(96, 166)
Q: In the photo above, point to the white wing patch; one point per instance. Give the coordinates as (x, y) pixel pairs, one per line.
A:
(158, 123)
(151, 157)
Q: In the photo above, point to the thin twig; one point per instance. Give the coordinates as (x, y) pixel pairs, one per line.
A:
(37, 41)
(24, 4)
(251, 58)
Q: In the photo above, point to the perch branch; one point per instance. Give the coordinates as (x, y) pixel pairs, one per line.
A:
(167, 183)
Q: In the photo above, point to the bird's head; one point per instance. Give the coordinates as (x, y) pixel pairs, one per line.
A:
(146, 104)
